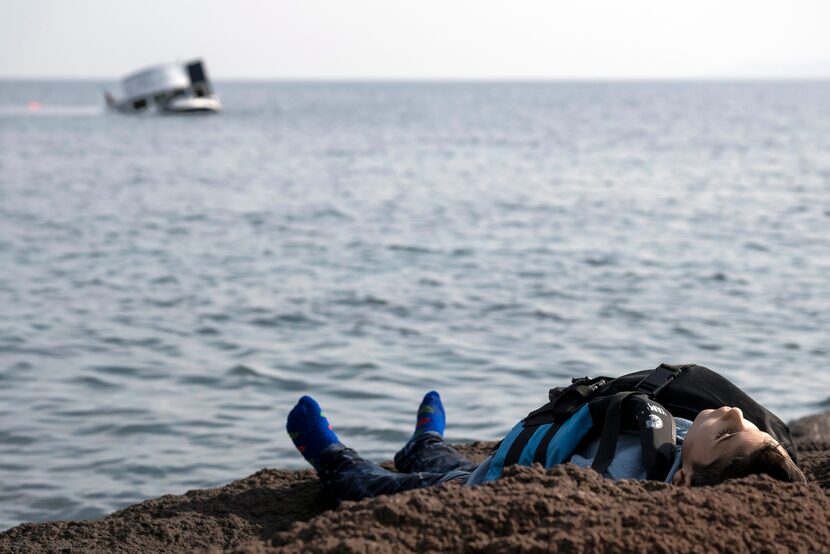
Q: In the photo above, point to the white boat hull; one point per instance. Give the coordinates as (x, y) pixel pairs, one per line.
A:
(209, 104)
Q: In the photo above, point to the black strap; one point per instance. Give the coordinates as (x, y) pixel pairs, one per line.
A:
(518, 445)
(656, 381)
(541, 455)
(540, 416)
(658, 436)
(610, 432)
(564, 402)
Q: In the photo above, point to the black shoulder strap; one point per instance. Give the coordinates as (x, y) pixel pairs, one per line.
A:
(610, 430)
(541, 454)
(658, 436)
(518, 446)
(654, 423)
(564, 401)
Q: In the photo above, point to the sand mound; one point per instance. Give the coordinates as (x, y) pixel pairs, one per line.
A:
(572, 509)
(530, 510)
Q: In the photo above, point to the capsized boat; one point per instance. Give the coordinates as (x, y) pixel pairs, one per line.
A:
(168, 88)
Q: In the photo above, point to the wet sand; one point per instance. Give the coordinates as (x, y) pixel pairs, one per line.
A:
(529, 510)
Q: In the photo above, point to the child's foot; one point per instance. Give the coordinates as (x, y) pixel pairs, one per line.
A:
(430, 415)
(309, 429)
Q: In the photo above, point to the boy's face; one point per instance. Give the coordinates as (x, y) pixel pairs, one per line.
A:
(716, 434)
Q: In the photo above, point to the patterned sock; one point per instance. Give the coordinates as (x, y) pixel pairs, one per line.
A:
(431, 415)
(309, 429)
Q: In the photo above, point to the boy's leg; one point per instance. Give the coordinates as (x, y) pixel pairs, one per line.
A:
(343, 473)
(429, 453)
(426, 451)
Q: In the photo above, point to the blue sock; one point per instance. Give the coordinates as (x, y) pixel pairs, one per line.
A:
(309, 429)
(431, 415)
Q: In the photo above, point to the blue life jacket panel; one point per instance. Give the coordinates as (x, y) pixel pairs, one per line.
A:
(562, 445)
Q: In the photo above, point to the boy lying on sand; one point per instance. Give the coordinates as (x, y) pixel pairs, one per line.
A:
(616, 426)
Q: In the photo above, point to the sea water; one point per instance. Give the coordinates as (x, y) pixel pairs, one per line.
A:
(169, 286)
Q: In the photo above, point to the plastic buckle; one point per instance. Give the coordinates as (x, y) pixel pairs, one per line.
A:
(655, 381)
(597, 385)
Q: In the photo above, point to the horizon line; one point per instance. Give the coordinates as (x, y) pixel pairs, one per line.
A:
(444, 79)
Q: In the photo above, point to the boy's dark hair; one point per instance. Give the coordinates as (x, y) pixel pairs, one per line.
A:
(767, 460)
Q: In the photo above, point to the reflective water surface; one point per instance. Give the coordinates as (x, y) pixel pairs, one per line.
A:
(170, 285)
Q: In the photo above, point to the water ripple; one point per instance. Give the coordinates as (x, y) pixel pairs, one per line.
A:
(510, 237)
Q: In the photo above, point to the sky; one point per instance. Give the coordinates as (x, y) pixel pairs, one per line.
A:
(427, 39)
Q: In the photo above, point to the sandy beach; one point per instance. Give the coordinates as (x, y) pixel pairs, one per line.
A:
(529, 510)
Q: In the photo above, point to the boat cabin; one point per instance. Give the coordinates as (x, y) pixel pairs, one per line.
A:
(167, 88)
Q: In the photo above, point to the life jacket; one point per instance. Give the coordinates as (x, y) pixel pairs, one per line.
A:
(643, 403)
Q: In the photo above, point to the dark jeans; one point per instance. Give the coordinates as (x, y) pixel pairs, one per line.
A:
(425, 461)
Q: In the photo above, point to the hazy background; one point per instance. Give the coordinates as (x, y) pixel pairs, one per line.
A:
(455, 39)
